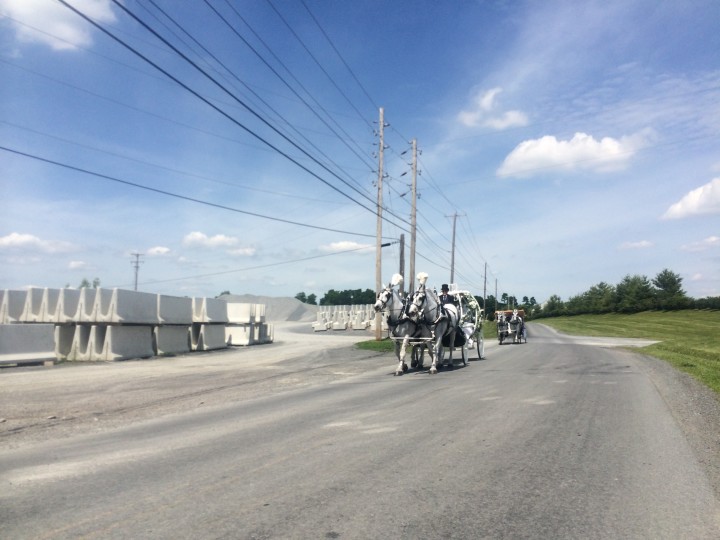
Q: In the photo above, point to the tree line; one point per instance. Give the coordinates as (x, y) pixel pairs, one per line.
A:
(634, 293)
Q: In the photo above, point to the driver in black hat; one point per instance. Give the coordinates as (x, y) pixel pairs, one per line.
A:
(445, 297)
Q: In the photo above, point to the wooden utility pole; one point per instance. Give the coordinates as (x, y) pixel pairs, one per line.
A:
(485, 290)
(378, 243)
(402, 263)
(452, 255)
(136, 265)
(413, 217)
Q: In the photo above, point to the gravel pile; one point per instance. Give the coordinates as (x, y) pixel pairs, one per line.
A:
(278, 308)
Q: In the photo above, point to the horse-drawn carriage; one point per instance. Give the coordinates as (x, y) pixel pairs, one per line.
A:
(470, 320)
(511, 326)
(422, 322)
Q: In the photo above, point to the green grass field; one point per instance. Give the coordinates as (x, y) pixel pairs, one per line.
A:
(689, 339)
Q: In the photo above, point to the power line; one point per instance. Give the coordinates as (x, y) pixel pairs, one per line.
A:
(257, 267)
(216, 108)
(176, 195)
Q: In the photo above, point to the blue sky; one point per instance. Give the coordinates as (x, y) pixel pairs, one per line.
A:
(576, 142)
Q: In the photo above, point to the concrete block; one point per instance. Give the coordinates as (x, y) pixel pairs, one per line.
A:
(174, 310)
(207, 337)
(49, 305)
(32, 305)
(26, 342)
(170, 340)
(126, 307)
(125, 342)
(240, 313)
(259, 313)
(239, 335)
(66, 309)
(209, 310)
(265, 333)
(85, 306)
(80, 347)
(11, 308)
(64, 338)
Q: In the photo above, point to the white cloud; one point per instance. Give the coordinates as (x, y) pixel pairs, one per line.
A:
(28, 242)
(77, 265)
(346, 246)
(701, 201)
(51, 23)
(242, 252)
(702, 245)
(583, 151)
(158, 251)
(198, 239)
(482, 114)
(642, 244)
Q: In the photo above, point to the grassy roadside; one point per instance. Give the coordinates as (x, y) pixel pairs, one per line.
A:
(689, 339)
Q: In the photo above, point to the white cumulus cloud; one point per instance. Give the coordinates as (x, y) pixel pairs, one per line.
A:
(158, 251)
(346, 245)
(701, 201)
(702, 245)
(51, 23)
(198, 239)
(583, 151)
(482, 113)
(77, 265)
(31, 243)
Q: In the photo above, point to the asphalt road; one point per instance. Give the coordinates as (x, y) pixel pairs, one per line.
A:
(308, 438)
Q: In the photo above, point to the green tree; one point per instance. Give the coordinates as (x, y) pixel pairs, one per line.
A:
(312, 299)
(85, 284)
(634, 294)
(553, 307)
(669, 293)
(301, 296)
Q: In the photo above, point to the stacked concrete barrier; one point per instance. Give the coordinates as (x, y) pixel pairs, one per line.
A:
(246, 325)
(172, 335)
(12, 306)
(116, 324)
(26, 343)
(208, 324)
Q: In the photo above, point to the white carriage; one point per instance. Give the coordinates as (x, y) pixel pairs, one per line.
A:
(511, 326)
(470, 323)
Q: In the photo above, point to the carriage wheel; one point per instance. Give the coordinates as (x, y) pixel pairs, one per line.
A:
(480, 347)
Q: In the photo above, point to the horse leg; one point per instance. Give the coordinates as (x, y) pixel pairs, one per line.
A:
(436, 352)
(400, 350)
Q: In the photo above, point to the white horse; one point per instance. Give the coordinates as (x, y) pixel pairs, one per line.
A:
(436, 322)
(402, 328)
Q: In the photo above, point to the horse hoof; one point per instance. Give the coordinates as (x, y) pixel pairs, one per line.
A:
(398, 373)
(433, 371)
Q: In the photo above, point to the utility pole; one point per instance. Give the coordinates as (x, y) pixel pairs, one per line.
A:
(413, 217)
(378, 244)
(136, 264)
(402, 263)
(495, 294)
(485, 289)
(452, 253)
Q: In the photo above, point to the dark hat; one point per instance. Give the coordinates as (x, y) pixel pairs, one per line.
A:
(444, 287)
